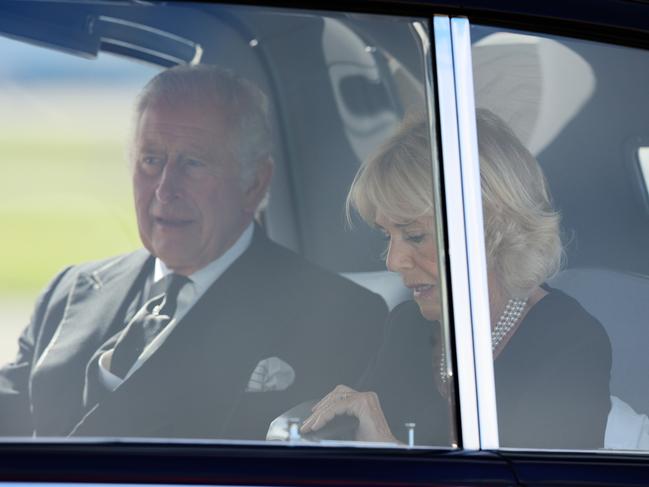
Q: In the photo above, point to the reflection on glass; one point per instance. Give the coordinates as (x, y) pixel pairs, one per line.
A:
(209, 328)
(585, 135)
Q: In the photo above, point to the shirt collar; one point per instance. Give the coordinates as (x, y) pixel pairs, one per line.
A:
(203, 278)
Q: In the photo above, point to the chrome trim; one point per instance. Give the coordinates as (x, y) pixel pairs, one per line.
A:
(198, 49)
(423, 32)
(457, 245)
(135, 47)
(147, 28)
(488, 418)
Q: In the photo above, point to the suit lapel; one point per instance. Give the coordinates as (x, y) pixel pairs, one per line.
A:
(191, 384)
(95, 303)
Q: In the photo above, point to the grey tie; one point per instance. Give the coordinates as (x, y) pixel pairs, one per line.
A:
(147, 323)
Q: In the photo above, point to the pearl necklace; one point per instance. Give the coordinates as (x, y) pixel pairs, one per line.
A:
(509, 317)
(507, 320)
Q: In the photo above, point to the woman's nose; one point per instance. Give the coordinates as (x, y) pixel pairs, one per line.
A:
(169, 184)
(398, 257)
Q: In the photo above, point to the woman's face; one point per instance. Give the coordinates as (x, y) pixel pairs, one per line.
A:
(412, 252)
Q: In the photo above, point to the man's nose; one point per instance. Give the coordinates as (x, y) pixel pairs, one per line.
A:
(169, 184)
(398, 257)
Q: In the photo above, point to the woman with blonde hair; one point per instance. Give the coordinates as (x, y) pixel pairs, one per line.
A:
(552, 359)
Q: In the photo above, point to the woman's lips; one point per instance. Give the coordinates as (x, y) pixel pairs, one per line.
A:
(422, 290)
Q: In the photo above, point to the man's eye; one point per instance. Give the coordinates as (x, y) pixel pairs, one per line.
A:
(151, 165)
(151, 160)
(195, 163)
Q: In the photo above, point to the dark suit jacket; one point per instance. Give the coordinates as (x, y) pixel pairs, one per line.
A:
(270, 302)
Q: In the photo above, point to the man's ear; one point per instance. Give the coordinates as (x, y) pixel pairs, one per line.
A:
(259, 186)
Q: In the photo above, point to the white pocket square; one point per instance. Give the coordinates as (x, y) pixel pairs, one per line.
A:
(271, 374)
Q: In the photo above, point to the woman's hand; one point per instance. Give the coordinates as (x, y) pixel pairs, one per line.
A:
(372, 425)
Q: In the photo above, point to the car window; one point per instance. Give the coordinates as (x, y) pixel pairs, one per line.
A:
(223, 226)
(561, 127)
(65, 197)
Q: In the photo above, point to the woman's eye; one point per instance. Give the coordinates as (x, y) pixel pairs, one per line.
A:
(418, 238)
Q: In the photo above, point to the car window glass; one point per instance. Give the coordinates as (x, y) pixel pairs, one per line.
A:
(221, 226)
(561, 131)
(64, 170)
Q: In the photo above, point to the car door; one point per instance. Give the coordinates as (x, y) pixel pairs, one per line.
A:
(567, 94)
(340, 82)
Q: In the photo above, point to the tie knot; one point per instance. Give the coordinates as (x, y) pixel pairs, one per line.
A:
(171, 284)
(174, 283)
(168, 289)
(152, 318)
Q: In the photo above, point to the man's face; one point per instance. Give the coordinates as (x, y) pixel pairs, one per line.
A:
(189, 201)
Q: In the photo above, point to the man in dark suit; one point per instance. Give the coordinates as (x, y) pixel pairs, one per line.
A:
(253, 330)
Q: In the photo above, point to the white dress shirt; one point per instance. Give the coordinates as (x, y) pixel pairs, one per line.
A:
(191, 292)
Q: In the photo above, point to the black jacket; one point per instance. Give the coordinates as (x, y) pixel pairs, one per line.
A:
(269, 303)
(552, 378)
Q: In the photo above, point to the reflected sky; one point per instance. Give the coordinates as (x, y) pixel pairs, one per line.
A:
(27, 63)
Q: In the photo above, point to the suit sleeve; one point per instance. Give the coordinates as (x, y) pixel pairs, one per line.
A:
(15, 410)
(402, 377)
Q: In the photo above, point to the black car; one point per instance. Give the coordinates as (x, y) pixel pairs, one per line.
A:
(567, 82)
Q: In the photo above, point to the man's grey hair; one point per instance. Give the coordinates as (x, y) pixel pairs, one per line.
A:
(521, 228)
(243, 104)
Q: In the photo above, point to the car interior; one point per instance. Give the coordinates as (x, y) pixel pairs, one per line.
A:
(341, 83)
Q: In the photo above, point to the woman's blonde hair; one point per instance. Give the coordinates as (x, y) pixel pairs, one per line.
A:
(521, 227)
